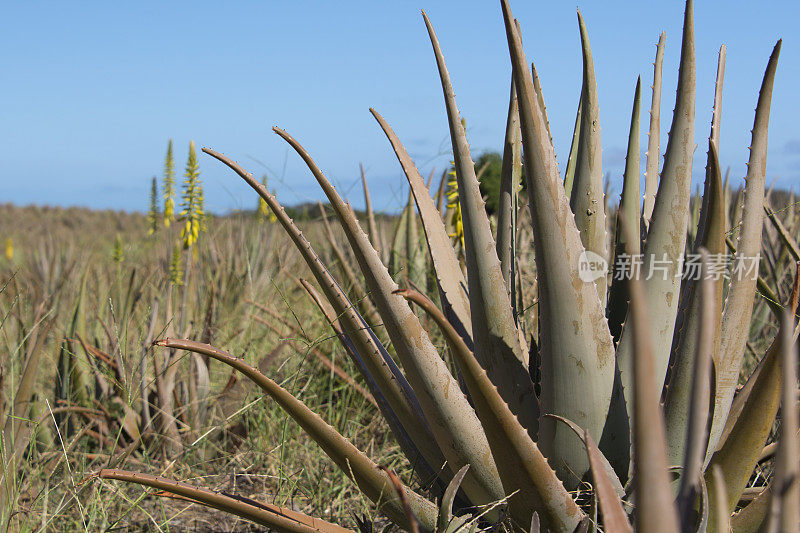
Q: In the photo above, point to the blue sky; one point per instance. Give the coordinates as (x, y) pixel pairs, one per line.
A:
(93, 91)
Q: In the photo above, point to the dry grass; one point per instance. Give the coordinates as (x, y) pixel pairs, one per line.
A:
(256, 452)
(243, 444)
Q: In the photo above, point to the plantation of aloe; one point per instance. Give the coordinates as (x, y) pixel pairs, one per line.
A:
(562, 358)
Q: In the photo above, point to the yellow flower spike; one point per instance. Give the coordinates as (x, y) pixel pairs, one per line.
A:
(454, 207)
(192, 203)
(272, 216)
(169, 187)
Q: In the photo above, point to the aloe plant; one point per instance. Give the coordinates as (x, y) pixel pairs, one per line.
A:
(152, 212)
(192, 212)
(17, 416)
(519, 442)
(169, 186)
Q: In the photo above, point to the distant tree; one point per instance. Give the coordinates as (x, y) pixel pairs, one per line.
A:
(490, 165)
(489, 179)
(169, 187)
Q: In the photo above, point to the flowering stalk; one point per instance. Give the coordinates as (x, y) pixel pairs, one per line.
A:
(152, 214)
(264, 212)
(175, 267)
(192, 205)
(169, 187)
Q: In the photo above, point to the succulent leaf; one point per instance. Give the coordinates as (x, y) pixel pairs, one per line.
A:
(787, 462)
(525, 473)
(451, 282)
(707, 299)
(397, 255)
(572, 161)
(785, 236)
(716, 124)
(614, 517)
(537, 86)
(629, 209)
(663, 250)
(575, 344)
(444, 521)
(373, 481)
(587, 199)
(406, 442)
(358, 290)
(741, 449)
(698, 325)
(374, 235)
(415, 253)
(510, 181)
(600, 458)
(392, 383)
(741, 292)
(495, 334)
(655, 509)
(274, 517)
(654, 136)
(453, 422)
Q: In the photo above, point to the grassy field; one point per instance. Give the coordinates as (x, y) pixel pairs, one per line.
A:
(84, 295)
(78, 307)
